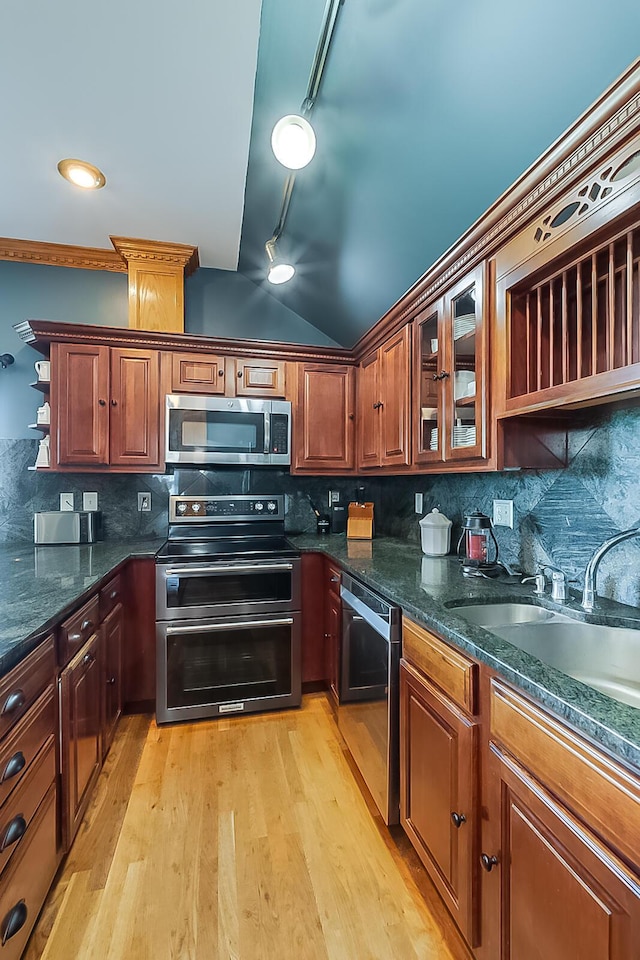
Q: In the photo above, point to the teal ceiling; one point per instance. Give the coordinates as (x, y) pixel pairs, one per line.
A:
(428, 111)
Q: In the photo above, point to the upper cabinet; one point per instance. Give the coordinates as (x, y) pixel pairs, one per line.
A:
(106, 407)
(324, 419)
(450, 358)
(227, 376)
(568, 296)
(384, 404)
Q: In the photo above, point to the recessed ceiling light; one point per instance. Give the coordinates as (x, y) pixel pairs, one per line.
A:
(82, 174)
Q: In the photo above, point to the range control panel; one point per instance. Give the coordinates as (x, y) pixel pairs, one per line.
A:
(199, 509)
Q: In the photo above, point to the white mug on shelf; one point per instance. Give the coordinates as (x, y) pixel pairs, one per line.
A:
(43, 369)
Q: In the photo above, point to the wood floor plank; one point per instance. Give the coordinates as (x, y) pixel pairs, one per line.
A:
(245, 839)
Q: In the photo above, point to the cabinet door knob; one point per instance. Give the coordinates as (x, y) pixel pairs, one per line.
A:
(352, 416)
(377, 405)
(239, 373)
(13, 767)
(488, 863)
(113, 595)
(111, 681)
(102, 402)
(458, 819)
(441, 376)
(14, 701)
(221, 373)
(13, 921)
(13, 832)
(114, 403)
(88, 658)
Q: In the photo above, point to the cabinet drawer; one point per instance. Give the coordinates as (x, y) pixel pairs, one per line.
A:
(26, 882)
(450, 670)
(110, 596)
(18, 812)
(25, 741)
(24, 684)
(75, 631)
(333, 578)
(602, 792)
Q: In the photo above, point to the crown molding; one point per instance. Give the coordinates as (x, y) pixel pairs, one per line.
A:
(61, 255)
(156, 251)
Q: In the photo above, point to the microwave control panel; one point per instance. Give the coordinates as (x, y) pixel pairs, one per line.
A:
(279, 433)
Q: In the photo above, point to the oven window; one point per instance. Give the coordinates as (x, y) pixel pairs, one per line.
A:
(216, 431)
(225, 588)
(228, 663)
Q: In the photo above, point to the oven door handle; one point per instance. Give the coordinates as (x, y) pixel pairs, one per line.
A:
(219, 570)
(236, 625)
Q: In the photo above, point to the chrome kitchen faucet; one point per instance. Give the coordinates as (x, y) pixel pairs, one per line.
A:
(589, 592)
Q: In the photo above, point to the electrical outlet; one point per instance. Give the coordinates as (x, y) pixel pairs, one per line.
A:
(67, 501)
(418, 501)
(334, 497)
(144, 502)
(89, 501)
(503, 513)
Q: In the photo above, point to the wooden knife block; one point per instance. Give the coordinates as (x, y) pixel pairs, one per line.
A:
(360, 521)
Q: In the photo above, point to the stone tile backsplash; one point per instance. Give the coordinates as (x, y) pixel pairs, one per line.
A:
(560, 516)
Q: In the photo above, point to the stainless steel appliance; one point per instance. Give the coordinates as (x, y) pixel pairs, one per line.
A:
(228, 623)
(67, 526)
(369, 689)
(203, 429)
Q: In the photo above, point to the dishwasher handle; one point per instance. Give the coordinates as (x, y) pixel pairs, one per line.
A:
(378, 623)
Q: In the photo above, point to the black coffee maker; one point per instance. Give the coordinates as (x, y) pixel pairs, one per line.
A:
(478, 548)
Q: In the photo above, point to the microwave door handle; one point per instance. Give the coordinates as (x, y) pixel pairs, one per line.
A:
(234, 625)
(267, 432)
(221, 569)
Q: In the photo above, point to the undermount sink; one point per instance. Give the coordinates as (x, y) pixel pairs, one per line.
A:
(606, 658)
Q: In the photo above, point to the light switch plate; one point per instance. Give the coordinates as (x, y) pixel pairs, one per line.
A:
(89, 501)
(418, 501)
(503, 513)
(334, 497)
(67, 501)
(144, 502)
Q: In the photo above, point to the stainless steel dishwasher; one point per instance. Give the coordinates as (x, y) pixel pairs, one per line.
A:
(368, 709)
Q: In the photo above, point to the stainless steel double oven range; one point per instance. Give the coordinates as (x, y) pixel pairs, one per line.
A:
(228, 622)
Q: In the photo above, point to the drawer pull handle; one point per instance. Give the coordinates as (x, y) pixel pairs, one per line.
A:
(488, 863)
(335, 579)
(111, 681)
(14, 766)
(13, 702)
(14, 831)
(458, 819)
(13, 921)
(113, 595)
(88, 658)
(86, 624)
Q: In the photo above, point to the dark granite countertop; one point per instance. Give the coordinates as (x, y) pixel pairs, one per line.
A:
(39, 585)
(427, 587)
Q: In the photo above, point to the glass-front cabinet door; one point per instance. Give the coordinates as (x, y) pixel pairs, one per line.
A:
(450, 349)
(428, 352)
(465, 389)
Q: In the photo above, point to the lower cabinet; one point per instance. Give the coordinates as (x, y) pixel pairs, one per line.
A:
(560, 892)
(112, 631)
(81, 733)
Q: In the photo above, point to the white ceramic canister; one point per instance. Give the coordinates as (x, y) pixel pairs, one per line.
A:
(435, 532)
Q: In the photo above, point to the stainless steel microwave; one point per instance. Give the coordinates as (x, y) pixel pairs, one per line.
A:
(228, 430)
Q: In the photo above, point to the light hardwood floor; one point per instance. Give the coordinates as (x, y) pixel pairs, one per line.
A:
(242, 838)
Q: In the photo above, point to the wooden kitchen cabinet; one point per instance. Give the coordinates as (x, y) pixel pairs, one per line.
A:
(324, 419)
(81, 733)
(219, 375)
(106, 407)
(112, 680)
(333, 627)
(439, 754)
(384, 404)
(559, 861)
(450, 376)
